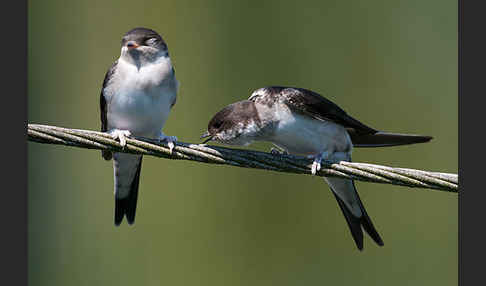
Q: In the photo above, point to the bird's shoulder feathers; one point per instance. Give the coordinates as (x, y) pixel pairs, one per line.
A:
(308, 103)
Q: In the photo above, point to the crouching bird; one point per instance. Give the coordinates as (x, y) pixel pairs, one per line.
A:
(299, 121)
(138, 93)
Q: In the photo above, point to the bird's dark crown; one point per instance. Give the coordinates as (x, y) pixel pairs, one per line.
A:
(144, 37)
(232, 115)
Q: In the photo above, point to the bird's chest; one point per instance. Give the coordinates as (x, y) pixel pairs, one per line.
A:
(141, 102)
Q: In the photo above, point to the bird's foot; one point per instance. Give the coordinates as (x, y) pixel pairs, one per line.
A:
(276, 151)
(121, 135)
(316, 165)
(169, 139)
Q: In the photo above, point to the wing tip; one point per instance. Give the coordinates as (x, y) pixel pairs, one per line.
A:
(386, 139)
(427, 138)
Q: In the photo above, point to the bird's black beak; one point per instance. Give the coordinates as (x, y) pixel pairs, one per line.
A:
(132, 45)
(206, 135)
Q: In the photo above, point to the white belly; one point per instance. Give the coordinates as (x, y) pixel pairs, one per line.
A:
(142, 100)
(142, 114)
(306, 136)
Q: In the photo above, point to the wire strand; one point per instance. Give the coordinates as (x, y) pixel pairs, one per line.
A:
(244, 158)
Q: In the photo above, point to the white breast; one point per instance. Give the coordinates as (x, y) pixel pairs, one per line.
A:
(140, 99)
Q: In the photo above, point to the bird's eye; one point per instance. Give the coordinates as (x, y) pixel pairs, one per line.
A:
(218, 124)
(150, 41)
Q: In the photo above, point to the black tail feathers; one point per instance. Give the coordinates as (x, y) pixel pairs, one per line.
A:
(128, 206)
(355, 224)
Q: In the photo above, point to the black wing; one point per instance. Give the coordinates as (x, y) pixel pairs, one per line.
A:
(385, 139)
(103, 108)
(175, 98)
(312, 104)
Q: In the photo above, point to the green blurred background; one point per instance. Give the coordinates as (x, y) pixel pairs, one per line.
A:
(391, 64)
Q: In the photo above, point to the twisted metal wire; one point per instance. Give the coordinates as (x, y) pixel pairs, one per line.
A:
(244, 158)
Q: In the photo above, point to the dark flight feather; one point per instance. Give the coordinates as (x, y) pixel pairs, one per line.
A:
(175, 97)
(312, 104)
(385, 139)
(107, 155)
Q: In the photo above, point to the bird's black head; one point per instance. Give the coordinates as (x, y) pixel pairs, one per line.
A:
(140, 37)
(143, 44)
(235, 124)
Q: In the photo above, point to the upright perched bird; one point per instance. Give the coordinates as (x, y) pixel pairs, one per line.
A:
(138, 93)
(300, 121)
